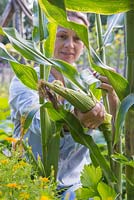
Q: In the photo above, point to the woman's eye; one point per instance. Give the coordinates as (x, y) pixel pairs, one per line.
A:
(76, 38)
(62, 36)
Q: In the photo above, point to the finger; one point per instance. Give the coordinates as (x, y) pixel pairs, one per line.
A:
(107, 87)
(103, 79)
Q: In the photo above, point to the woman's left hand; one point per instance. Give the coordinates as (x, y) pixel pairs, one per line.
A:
(112, 96)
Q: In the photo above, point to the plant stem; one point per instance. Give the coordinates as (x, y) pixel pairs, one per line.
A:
(41, 99)
(99, 38)
(104, 93)
(116, 167)
(118, 170)
(101, 50)
(129, 122)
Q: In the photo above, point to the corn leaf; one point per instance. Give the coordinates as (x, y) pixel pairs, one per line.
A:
(100, 7)
(126, 103)
(50, 41)
(79, 136)
(56, 12)
(29, 116)
(4, 53)
(70, 72)
(123, 160)
(26, 74)
(30, 51)
(111, 25)
(25, 47)
(119, 83)
(50, 140)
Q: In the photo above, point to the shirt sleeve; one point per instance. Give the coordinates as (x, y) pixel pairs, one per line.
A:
(22, 99)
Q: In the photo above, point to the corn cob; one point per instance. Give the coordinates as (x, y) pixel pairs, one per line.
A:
(82, 101)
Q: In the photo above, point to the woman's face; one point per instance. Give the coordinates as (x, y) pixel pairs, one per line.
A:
(68, 46)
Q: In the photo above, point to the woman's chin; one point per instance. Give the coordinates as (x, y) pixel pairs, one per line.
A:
(68, 60)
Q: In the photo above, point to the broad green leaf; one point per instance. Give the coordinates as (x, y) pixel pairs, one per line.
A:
(50, 41)
(106, 192)
(85, 193)
(26, 74)
(126, 103)
(70, 72)
(25, 47)
(100, 7)
(79, 136)
(56, 12)
(28, 50)
(114, 78)
(4, 53)
(91, 176)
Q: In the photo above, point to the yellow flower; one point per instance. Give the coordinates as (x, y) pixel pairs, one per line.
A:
(0, 193)
(12, 185)
(5, 161)
(45, 198)
(44, 179)
(24, 195)
(10, 139)
(19, 165)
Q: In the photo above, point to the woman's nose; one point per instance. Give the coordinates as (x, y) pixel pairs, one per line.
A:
(69, 43)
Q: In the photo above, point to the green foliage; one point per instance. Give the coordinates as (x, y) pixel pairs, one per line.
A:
(123, 159)
(19, 181)
(4, 108)
(93, 186)
(26, 74)
(100, 7)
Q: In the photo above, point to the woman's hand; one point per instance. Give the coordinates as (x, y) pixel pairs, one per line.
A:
(93, 118)
(112, 97)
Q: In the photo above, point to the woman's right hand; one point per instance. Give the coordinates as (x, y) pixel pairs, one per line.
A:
(93, 118)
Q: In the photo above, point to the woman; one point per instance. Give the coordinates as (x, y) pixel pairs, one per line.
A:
(73, 156)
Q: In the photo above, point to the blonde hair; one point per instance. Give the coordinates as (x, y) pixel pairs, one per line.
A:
(79, 15)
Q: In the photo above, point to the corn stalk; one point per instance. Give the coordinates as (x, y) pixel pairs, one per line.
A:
(129, 123)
